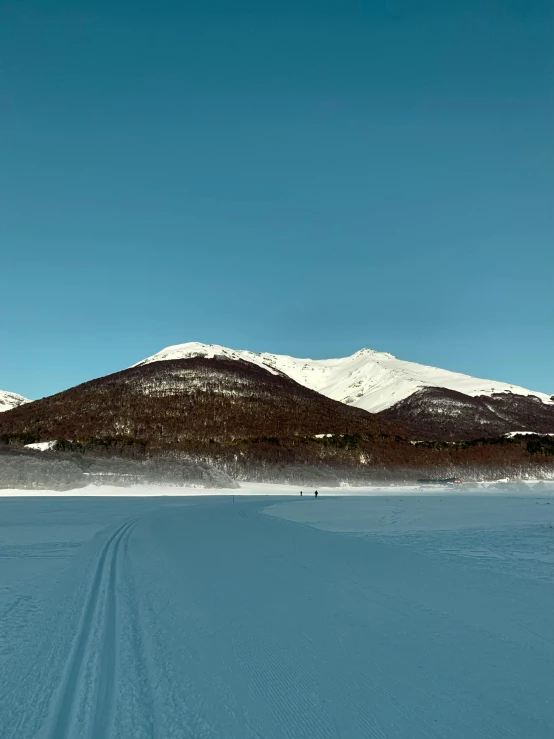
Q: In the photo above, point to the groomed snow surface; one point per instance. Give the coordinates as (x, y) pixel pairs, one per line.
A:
(238, 617)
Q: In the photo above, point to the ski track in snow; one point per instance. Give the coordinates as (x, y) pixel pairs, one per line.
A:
(206, 618)
(100, 614)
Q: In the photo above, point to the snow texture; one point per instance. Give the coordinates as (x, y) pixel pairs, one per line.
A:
(99, 490)
(511, 434)
(11, 400)
(229, 617)
(368, 379)
(42, 446)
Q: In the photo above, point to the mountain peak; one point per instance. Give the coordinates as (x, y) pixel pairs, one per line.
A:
(11, 400)
(368, 379)
(371, 353)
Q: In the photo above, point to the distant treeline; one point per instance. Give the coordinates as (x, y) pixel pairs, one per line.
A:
(349, 458)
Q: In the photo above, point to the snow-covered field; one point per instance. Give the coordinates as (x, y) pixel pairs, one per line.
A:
(387, 616)
(499, 487)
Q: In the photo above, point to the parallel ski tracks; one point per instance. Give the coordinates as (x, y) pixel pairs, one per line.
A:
(98, 624)
(168, 626)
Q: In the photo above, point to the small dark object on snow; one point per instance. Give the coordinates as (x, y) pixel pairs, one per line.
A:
(316, 493)
(301, 493)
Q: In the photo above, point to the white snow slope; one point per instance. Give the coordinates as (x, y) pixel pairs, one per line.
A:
(11, 400)
(368, 379)
(208, 619)
(41, 446)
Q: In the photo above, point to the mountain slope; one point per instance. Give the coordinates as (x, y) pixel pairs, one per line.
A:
(430, 403)
(438, 413)
(247, 422)
(11, 400)
(197, 399)
(370, 380)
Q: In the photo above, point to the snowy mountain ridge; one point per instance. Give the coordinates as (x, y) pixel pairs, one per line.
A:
(367, 379)
(11, 400)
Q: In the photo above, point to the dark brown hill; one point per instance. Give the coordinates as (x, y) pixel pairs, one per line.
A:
(438, 413)
(172, 403)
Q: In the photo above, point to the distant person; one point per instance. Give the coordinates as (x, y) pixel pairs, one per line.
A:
(316, 493)
(301, 493)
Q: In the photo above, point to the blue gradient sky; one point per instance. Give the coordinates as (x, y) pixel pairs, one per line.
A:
(298, 177)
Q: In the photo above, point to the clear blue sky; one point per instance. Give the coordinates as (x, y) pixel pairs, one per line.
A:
(297, 177)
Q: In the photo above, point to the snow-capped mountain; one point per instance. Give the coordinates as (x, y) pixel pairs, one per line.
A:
(261, 416)
(11, 400)
(368, 379)
(428, 402)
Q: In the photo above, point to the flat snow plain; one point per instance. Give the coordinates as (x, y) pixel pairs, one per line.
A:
(391, 616)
